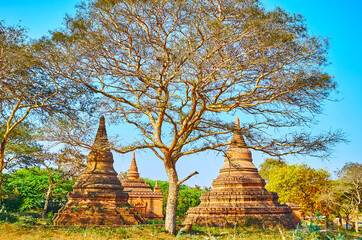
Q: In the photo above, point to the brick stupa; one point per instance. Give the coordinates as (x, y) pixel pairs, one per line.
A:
(239, 196)
(97, 197)
(146, 201)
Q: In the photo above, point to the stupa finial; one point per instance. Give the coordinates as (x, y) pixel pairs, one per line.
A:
(237, 123)
(101, 139)
(133, 169)
(238, 139)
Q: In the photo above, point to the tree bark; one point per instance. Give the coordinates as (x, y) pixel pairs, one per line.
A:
(347, 221)
(45, 209)
(1, 192)
(356, 221)
(2, 156)
(173, 190)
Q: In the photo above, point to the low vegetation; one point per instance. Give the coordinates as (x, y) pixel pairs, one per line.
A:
(28, 227)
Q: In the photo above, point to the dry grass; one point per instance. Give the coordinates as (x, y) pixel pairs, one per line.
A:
(11, 231)
(14, 231)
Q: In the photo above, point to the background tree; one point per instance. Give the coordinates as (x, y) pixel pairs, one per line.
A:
(27, 91)
(68, 163)
(21, 146)
(25, 189)
(334, 203)
(177, 70)
(299, 184)
(268, 165)
(350, 189)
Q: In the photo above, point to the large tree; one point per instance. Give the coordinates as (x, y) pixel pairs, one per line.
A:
(177, 70)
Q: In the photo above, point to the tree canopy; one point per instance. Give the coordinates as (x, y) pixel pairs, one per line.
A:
(299, 184)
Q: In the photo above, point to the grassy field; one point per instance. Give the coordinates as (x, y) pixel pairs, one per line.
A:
(16, 231)
(31, 226)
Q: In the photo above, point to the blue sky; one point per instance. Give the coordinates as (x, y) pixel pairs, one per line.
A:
(340, 21)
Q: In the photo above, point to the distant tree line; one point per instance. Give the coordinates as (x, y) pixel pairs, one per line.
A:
(314, 189)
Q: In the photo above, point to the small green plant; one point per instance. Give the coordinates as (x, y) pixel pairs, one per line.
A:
(155, 222)
(340, 236)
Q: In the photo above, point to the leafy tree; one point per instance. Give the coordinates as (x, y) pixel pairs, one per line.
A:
(332, 201)
(176, 70)
(60, 167)
(299, 184)
(21, 146)
(27, 91)
(268, 165)
(344, 197)
(29, 187)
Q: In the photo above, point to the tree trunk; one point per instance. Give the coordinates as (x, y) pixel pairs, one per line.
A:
(170, 222)
(2, 156)
(1, 183)
(45, 209)
(347, 221)
(356, 221)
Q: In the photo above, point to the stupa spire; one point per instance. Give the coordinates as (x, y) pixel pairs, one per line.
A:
(156, 188)
(133, 169)
(101, 139)
(237, 123)
(141, 196)
(238, 139)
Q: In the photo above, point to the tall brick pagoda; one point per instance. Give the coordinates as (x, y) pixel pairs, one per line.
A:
(146, 201)
(97, 197)
(239, 195)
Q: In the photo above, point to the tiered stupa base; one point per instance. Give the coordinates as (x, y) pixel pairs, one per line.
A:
(241, 216)
(239, 196)
(97, 209)
(147, 202)
(97, 197)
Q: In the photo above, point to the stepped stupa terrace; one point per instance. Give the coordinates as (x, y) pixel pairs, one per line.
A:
(97, 197)
(239, 195)
(146, 201)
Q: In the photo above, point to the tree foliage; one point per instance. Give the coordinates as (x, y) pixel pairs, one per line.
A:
(21, 146)
(299, 184)
(25, 189)
(344, 197)
(268, 165)
(28, 92)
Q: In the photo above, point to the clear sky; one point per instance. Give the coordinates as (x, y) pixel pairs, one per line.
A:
(341, 21)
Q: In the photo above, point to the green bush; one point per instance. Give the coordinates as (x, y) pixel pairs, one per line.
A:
(25, 190)
(8, 217)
